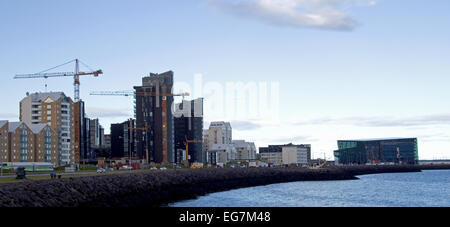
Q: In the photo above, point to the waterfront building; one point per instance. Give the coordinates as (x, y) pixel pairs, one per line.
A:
(188, 124)
(374, 151)
(154, 116)
(82, 146)
(45, 144)
(123, 140)
(4, 143)
(286, 154)
(271, 149)
(21, 142)
(107, 143)
(245, 151)
(296, 154)
(205, 144)
(221, 153)
(219, 133)
(87, 152)
(58, 111)
(272, 158)
(96, 134)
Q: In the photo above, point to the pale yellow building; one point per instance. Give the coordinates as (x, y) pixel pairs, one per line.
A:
(58, 111)
(274, 158)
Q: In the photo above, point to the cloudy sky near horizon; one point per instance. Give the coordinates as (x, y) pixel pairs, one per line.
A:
(346, 69)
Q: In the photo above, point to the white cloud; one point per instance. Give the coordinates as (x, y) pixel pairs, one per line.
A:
(322, 14)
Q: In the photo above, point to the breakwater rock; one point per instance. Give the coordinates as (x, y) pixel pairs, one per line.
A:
(157, 188)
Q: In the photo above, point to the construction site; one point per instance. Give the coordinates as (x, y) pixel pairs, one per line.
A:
(161, 132)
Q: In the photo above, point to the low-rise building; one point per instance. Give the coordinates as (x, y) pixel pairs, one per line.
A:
(45, 144)
(221, 153)
(375, 151)
(272, 158)
(286, 154)
(245, 151)
(21, 142)
(296, 154)
(4, 141)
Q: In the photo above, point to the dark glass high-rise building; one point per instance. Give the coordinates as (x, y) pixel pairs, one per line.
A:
(87, 151)
(123, 139)
(154, 119)
(395, 150)
(188, 122)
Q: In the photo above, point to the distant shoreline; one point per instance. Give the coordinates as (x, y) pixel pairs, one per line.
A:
(155, 189)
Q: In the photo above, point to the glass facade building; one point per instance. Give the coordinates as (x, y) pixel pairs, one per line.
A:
(375, 151)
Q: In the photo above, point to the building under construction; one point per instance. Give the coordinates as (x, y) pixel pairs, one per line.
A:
(188, 124)
(154, 119)
(376, 151)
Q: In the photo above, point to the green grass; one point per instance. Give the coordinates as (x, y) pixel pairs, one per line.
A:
(13, 179)
(88, 168)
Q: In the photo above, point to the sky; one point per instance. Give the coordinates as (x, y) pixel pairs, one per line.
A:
(333, 69)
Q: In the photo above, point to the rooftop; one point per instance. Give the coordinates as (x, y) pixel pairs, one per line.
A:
(13, 126)
(378, 139)
(36, 128)
(2, 123)
(41, 96)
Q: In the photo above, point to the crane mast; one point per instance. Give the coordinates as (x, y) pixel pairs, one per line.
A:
(186, 143)
(76, 83)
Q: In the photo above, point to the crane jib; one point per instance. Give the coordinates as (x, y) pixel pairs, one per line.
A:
(76, 74)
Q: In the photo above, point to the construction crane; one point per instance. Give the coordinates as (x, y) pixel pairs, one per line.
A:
(164, 96)
(129, 93)
(114, 93)
(76, 75)
(187, 142)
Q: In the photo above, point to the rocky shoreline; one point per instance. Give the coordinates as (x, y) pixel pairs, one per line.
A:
(159, 188)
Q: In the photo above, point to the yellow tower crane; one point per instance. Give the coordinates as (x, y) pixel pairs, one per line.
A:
(187, 142)
(76, 75)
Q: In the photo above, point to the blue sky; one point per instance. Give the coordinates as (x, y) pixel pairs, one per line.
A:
(346, 68)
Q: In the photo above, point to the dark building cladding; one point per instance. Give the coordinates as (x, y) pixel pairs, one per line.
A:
(396, 150)
(279, 148)
(86, 152)
(271, 149)
(188, 123)
(123, 139)
(158, 130)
